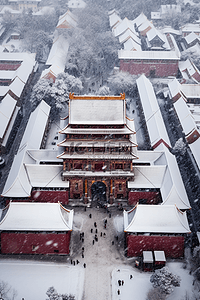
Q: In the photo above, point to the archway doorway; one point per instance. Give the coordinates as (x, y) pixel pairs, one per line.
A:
(98, 190)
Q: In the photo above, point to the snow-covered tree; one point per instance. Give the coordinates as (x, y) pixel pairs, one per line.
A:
(165, 280)
(103, 91)
(7, 292)
(179, 147)
(122, 82)
(56, 94)
(54, 295)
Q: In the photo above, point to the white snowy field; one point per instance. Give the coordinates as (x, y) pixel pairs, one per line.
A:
(31, 279)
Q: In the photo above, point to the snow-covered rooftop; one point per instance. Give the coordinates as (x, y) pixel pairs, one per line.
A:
(148, 177)
(155, 55)
(97, 111)
(7, 106)
(67, 20)
(18, 184)
(153, 117)
(48, 176)
(123, 26)
(129, 34)
(191, 38)
(156, 219)
(131, 45)
(25, 216)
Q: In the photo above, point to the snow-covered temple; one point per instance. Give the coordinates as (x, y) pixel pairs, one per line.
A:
(99, 148)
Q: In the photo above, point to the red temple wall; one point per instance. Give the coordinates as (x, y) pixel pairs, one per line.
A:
(152, 197)
(43, 243)
(173, 246)
(50, 196)
(161, 69)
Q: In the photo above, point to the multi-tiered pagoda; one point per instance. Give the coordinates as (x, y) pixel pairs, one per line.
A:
(99, 147)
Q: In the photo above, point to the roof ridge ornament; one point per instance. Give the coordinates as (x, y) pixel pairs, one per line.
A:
(121, 97)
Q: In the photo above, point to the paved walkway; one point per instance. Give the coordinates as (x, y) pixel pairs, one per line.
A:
(101, 256)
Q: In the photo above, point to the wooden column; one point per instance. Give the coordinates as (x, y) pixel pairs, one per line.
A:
(86, 192)
(111, 191)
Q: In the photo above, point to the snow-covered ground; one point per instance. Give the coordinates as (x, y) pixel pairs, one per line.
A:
(103, 259)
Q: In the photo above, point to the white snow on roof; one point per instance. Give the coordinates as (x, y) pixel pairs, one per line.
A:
(144, 26)
(157, 219)
(57, 56)
(159, 256)
(99, 111)
(24, 71)
(3, 90)
(123, 26)
(17, 56)
(7, 106)
(155, 55)
(191, 90)
(46, 176)
(147, 256)
(191, 28)
(129, 34)
(172, 189)
(191, 38)
(17, 87)
(7, 74)
(18, 184)
(195, 151)
(131, 45)
(147, 177)
(185, 117)
(140, 20)
(24, 216)
(114, 19)
(169, 29)
(174, 87)
(67, 19)
(153, 117)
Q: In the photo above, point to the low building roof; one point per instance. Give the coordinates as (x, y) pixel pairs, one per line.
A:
(153, 117)
(156, 219)
(147, 177)
(140, 19)
(191, 38)
(123, 26)
(131, 45)
(154, 55)
(7, 106)
(147, 256)
(159, 256)
(46, 176)
(18, 184)
(67, 20)
(114, 19)
(26, 216)
(129, 34)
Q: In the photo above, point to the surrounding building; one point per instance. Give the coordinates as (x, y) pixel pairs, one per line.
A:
(187, 121)
(147, 50)
(99, 148)
(36, 228)
(25, 4)
(155, 227)
(76, 4)
(16, 70)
